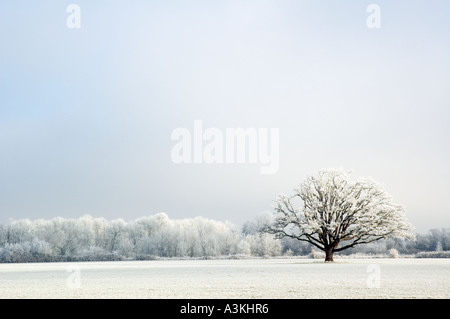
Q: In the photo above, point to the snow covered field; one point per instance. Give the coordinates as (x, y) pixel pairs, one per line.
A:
(254, 278)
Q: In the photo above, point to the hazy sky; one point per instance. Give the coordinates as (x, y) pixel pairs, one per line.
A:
(86, 114)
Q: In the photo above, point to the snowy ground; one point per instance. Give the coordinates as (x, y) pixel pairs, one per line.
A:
(255, 278)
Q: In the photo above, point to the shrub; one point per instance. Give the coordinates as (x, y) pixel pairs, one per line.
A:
(393, 253)
(317, 254)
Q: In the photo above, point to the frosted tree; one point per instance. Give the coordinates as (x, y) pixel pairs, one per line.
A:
(115, 231)
(333, 213)
(63, 235)
(262, 244)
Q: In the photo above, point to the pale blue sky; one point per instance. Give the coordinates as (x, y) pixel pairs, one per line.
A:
(86, 114)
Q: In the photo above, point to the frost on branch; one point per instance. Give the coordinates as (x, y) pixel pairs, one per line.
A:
(333, 213)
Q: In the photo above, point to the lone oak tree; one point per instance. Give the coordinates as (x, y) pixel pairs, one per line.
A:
(333, 213)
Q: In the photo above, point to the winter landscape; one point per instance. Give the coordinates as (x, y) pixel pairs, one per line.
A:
(156, 257)
(306, 250)
(224, 149)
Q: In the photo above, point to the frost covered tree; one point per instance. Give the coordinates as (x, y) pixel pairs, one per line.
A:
(333, 212)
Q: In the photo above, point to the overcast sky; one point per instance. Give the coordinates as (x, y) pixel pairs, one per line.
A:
(86, 114)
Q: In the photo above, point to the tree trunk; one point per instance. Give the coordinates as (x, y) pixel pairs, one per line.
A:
(329, 253)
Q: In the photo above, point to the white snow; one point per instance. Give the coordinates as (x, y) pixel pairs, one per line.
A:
(252, 278)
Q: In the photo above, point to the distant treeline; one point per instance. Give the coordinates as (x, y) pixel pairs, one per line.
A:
(94, 239)
(88, 238)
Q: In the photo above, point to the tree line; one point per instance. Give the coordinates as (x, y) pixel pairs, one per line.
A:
(88, 239)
